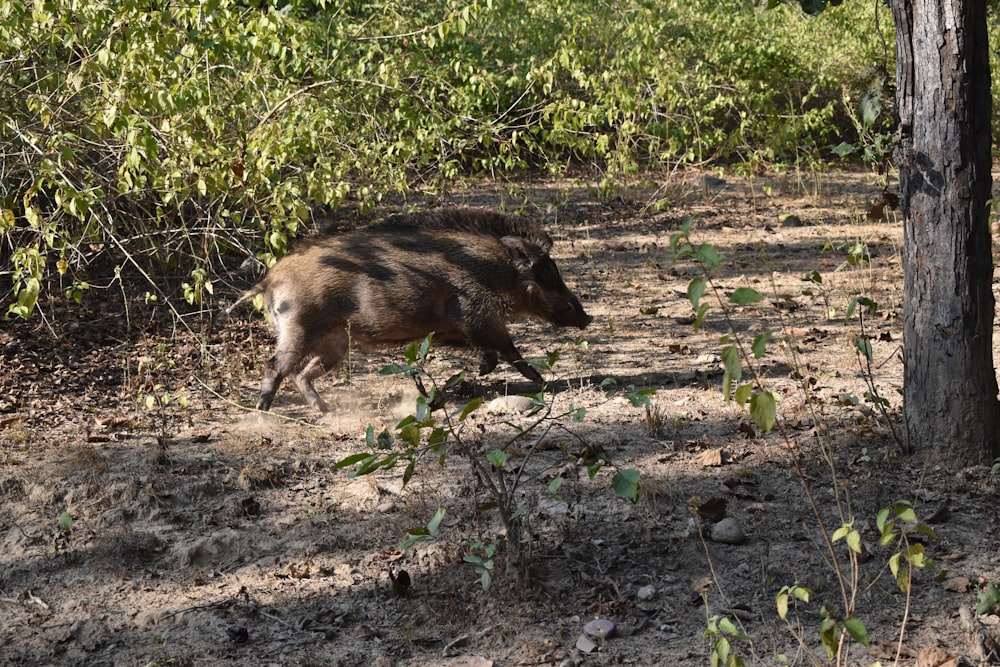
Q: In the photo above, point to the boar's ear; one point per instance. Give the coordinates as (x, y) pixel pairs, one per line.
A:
(520, 252)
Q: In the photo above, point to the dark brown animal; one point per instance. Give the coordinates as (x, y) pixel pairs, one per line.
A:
(460, 273)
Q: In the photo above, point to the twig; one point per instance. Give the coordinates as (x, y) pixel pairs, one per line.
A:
(240, 406)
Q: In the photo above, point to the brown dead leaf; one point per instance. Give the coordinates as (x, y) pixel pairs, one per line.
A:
(474, 661)
(700, 585)
(932, 656)
(941, 515)
(743, 489)
(957, 584)
(711, 458)
(713, 510)
(7, 421)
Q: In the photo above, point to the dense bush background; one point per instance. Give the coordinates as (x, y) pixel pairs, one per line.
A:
(163, 135)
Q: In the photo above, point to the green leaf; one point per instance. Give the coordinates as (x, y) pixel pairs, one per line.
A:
(436, 520)
(626, 484)
(856, 630)
(745, 295)
(497, 458)
(759, 345)
(864, 346)
(732, 370)
(813, 276)
(707, 255)
(350, 460)
(696, 289)
(782, 603)
(871, 107)
(425, 347)
(881, 518)
(702, 309)
(742, 393)
(729, 628)
(854, 541)
(894, 563)
(843, 149)
(639, 398)
(987, 599)
(763, 410)
(469, 408)
(66, 522)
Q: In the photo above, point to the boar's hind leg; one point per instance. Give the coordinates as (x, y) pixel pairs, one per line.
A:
(275, 370)
(327, 354)
(306, 368)
(304, 381)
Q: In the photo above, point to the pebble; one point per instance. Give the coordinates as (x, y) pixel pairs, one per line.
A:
(585, 644)
(599, 628)
(728, 531)
(509, 404)
(645, 593)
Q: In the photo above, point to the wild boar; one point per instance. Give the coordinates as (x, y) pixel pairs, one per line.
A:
(460, 273)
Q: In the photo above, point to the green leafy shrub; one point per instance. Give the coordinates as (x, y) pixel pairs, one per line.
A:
(166, 137)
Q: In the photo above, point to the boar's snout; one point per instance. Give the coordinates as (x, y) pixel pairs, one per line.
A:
(559, 307)
(574, 315)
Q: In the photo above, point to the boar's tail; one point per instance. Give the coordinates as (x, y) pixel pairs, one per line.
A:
(221, 316)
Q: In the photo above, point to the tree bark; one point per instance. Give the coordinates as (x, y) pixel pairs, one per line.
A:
(944, 155)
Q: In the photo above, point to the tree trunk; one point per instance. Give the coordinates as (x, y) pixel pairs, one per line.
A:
(943, 101)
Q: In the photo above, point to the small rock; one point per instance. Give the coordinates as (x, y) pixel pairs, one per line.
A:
(728, 531)
(585, 644)
(599, 628)
(509, 404)
(707, 181)
(790, 220)
(645, 593)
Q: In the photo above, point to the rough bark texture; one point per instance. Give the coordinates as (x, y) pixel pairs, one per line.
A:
(943, 99)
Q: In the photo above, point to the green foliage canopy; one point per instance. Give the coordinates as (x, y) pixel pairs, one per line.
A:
(169, 134)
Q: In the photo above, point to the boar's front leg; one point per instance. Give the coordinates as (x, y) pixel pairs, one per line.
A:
(496, 340)
(488, 362)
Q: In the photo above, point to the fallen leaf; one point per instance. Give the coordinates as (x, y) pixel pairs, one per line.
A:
(711, 458)
(713, 510)
(941, 515)
(957, 584)
(932, 656)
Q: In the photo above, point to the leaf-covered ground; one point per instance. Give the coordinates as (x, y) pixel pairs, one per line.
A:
(213, 535)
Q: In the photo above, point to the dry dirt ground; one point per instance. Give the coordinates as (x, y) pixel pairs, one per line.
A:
(213, 535)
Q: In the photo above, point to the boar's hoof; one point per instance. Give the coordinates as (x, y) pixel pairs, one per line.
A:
(528, 371)
(488, 363)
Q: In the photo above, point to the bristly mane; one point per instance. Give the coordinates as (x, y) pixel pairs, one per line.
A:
(473, 220)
